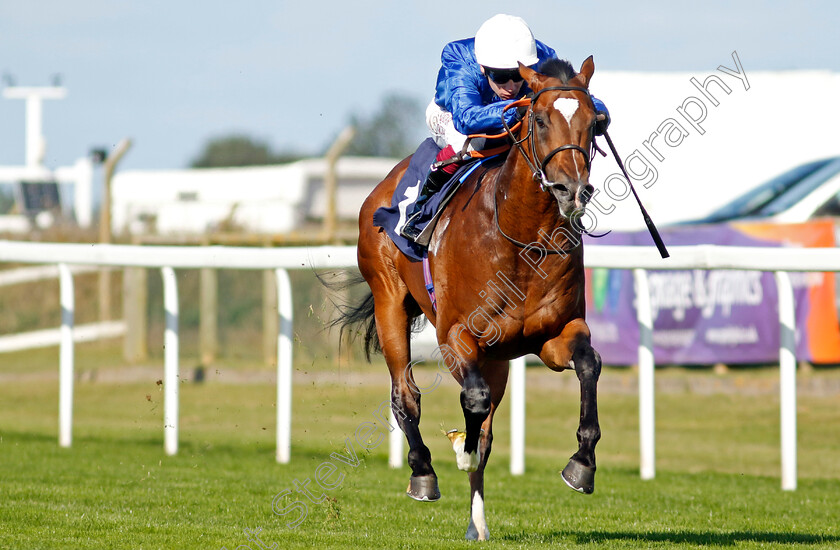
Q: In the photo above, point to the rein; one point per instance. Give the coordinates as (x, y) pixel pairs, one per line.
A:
(519, 243)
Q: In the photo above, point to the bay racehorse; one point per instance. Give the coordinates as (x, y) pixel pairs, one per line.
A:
(506, 260)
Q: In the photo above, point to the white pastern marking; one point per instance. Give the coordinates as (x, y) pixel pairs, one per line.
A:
(478, 522)
(466, 462)
(567, 107)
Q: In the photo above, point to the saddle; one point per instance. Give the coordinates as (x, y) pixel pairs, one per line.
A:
(393, 217)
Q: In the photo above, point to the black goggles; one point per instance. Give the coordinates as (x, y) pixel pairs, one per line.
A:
(500, 76)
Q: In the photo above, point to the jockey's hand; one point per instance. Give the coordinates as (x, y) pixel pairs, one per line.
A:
(602, 122)
(520, 112)
(523, 109)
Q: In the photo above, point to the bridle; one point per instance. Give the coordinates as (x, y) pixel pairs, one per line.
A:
(538, 173)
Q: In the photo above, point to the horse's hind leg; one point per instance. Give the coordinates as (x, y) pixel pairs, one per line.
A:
(393, 327)
(496, 374)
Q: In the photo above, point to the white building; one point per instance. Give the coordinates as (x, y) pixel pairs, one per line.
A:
(688, 155)
(259, 199)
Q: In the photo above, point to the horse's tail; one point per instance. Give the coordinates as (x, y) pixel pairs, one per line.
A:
(355, 318)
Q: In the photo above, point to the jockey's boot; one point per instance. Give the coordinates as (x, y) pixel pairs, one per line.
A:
(434, 182)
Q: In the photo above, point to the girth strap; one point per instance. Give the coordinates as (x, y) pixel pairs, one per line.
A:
(430, 287)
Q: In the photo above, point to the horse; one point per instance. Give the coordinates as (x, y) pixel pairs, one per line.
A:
(506, 260)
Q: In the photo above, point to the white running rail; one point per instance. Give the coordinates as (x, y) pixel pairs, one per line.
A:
(639, 259)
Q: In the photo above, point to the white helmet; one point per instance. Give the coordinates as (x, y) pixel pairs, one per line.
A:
(504, 40)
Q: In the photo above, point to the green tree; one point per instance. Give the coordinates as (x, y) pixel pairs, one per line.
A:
(239, 150)
(395, 130)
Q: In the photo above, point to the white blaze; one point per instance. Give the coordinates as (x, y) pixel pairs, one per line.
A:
(567, 107)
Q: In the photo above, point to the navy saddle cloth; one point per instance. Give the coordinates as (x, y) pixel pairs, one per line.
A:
(392, 218)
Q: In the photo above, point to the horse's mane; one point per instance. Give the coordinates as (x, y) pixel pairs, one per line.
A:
(557, 68)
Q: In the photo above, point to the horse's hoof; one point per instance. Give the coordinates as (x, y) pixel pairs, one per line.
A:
(473, 534)
(467, 462)
(579, 477)
(423, 488)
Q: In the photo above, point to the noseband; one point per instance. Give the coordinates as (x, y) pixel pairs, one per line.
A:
(539, 172)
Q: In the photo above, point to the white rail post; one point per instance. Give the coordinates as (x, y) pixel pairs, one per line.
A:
(517, 416)
(787, 378)
(647, 424)
(65, 368)
(284, 366)
(395, 439)
(170, 365)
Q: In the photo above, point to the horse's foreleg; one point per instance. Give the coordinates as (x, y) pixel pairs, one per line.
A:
(573, 349)
(477, 529)
(461, 359)
(475, 402)
(579, 474)
(496, 375)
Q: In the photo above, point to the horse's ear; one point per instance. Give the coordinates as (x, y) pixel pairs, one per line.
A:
(586, 70)
(531, 76)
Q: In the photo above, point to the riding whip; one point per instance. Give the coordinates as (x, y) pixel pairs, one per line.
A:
(657, 239)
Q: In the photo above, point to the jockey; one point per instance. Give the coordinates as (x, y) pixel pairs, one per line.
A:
(478, 78)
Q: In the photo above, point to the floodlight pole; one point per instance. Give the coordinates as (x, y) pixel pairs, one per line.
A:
(36, 144)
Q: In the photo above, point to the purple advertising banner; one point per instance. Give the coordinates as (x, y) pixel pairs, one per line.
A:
(705, 317)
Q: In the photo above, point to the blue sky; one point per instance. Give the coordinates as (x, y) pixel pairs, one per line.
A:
(172, 74)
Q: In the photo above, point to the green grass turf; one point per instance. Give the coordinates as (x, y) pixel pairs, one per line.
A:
(717, 483)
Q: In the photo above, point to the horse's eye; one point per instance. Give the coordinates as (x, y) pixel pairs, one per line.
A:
(540, 122)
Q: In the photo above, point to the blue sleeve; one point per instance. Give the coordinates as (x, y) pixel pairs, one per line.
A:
(544, 52)
(463, 91)
(599, 106)
(480, 119)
